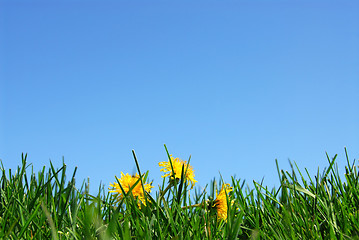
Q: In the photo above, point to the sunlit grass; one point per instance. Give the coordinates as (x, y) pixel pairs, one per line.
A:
(47, 205)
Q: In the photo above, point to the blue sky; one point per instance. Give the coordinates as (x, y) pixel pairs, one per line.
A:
(234, 84)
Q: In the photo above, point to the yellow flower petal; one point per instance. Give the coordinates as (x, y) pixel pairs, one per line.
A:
(127, 181)
(220, 204)
(177, 168)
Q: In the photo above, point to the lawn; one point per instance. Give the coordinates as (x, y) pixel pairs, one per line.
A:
(48, 204)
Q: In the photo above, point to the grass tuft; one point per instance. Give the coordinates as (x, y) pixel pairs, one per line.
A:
(47, 205)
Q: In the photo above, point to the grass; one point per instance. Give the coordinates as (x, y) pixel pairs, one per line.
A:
(48, 205)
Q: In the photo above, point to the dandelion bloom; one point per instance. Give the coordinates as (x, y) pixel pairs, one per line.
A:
(220, 204)
(127, 181)
(177, 168)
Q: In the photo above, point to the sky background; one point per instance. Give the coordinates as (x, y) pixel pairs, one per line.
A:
(234, 84)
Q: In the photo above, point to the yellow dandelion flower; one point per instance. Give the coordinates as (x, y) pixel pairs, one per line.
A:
(127, 181)
(177, 168)
(220, 204)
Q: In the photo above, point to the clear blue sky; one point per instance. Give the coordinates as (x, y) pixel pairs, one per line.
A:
(235, 84)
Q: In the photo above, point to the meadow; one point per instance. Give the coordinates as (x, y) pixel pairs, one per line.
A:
(48, 205)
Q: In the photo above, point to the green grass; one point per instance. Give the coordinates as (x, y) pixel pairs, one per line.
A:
(47, 205)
